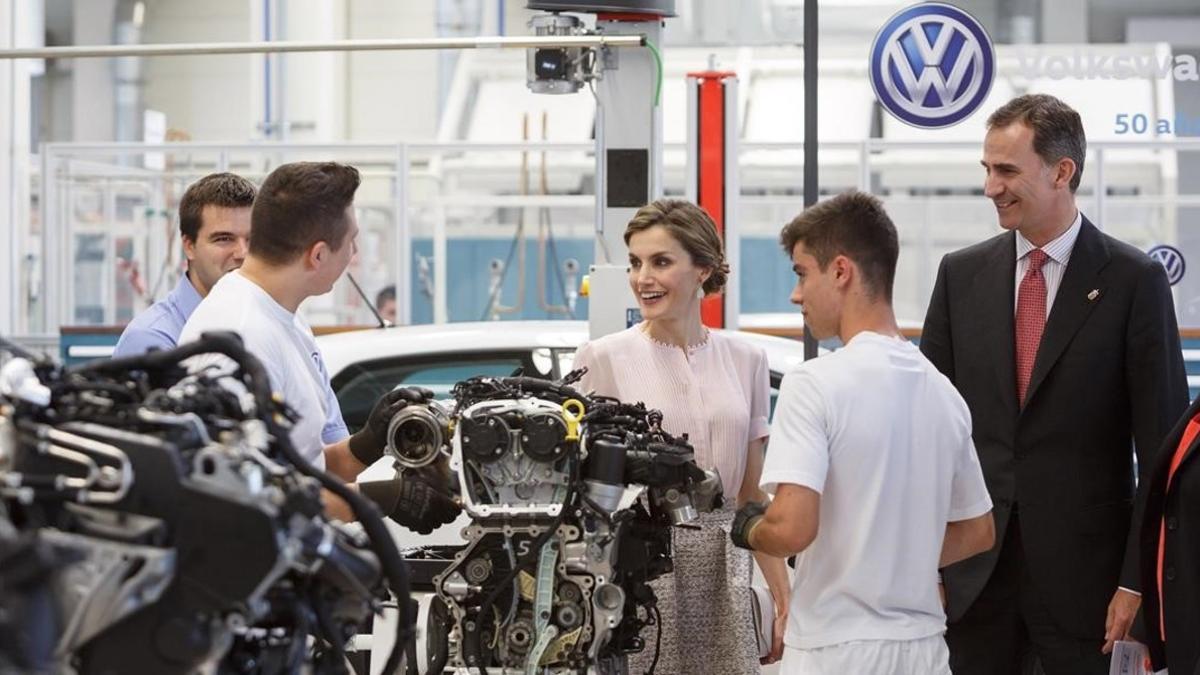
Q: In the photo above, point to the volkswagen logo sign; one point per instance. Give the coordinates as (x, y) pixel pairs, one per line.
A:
(1171, 260)
(932, 65)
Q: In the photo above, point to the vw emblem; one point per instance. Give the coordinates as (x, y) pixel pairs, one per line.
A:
(1171, 260)
(932, 65)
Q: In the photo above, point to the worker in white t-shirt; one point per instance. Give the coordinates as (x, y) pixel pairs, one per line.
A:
(302, 238)
(875, 479)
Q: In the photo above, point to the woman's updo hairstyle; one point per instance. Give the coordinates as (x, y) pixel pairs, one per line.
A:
(695, 231)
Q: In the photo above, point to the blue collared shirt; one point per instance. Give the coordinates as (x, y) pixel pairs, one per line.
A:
(159, 326)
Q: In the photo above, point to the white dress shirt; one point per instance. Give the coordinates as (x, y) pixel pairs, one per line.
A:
(1058, 252)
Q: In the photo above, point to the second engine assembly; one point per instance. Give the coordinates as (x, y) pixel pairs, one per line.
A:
(153, 520)
(572, 500)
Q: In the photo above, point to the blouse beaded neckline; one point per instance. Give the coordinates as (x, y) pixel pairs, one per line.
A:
(691, 349)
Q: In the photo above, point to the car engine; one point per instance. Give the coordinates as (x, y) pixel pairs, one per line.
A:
(157, 521)
(572, 501)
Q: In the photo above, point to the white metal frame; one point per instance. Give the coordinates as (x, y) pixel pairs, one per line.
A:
(409, 157)
(215, 48)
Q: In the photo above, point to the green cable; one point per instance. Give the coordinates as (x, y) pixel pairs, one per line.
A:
(658, 62)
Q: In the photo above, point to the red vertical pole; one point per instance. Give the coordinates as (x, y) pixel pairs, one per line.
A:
(710, 167)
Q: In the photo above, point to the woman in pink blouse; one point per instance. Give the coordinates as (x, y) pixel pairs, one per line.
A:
(717, 391)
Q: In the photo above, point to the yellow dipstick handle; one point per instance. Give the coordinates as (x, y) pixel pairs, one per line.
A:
(573, 414)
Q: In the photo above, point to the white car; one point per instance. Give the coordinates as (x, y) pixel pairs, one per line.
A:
(366, 364)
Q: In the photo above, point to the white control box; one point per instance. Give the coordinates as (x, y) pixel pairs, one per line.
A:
(611, 304)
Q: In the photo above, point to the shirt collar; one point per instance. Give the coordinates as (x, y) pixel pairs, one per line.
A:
(1058, 250)
(185, 297)
(272, 305)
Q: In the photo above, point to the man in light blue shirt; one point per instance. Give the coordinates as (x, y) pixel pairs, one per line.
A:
(214, 226)
(158, 327)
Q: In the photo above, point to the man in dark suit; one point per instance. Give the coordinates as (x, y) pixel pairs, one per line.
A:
(1063, 342)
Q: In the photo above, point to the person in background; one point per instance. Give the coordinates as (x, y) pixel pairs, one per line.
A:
(1063, 342)
(717, 391)
(875, 477)
(214, 226)
(385, 304)
(1170, 551)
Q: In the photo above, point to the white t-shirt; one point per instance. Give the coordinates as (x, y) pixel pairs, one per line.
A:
(886, 439)
(283, 341)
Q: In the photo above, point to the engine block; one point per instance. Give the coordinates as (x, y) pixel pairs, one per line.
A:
(572, 499)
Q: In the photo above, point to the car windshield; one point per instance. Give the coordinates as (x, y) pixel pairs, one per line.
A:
(360, 385)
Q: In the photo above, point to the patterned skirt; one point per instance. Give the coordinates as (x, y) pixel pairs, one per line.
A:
(705, 606)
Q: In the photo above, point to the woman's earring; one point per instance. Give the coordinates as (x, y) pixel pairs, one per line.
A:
(700, 292)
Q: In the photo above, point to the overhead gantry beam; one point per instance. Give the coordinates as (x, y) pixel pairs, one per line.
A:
(213, 48)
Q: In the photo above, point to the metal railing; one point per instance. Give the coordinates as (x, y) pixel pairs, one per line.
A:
(405, 163)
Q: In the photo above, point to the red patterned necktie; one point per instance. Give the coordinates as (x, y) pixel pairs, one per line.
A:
(1031, 319)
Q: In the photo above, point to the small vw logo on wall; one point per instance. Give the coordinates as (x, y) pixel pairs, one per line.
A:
(1171, 260)
(932, 65)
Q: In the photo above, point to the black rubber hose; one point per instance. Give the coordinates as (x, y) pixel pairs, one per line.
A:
(330, 629)
(657, 639)
(537, 385)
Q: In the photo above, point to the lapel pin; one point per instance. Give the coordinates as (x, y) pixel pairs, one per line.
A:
(1094, 294)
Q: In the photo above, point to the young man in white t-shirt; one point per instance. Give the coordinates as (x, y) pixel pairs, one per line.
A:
(875, 479)
(302, 238)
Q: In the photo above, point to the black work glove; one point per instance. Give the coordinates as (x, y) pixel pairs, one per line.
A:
(745, 520)
(418, 499)
(368, 443)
